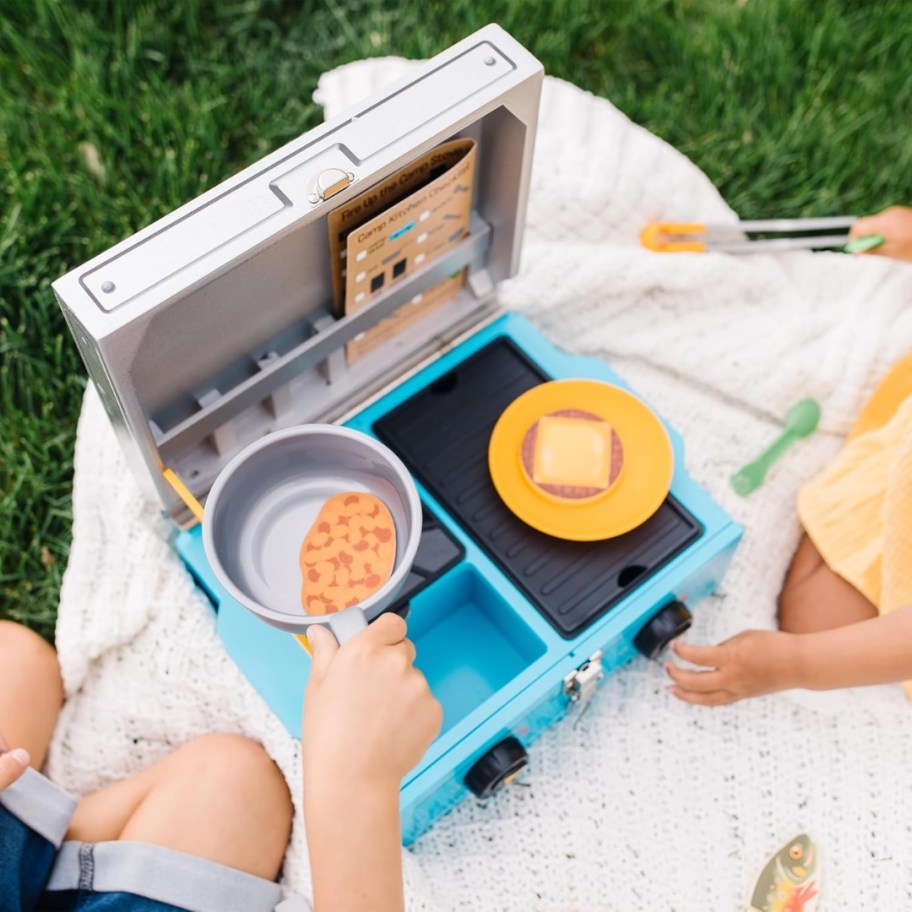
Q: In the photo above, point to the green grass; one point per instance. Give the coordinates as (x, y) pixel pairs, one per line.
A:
(112, 114)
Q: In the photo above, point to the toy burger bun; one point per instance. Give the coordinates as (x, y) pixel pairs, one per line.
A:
(572, 455)
(348, 554)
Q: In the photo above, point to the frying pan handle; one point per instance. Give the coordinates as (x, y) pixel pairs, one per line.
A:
(345, 624)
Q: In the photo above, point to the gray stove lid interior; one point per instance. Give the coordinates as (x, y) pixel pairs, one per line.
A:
(214, 326)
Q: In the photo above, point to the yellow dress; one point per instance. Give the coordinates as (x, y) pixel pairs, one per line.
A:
(858, 511)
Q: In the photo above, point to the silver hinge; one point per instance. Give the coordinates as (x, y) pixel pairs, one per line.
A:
(580, 685)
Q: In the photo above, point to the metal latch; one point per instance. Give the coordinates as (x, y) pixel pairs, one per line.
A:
(329, 183)
(580, 685)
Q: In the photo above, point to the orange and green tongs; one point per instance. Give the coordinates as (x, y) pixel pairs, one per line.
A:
(799, 234)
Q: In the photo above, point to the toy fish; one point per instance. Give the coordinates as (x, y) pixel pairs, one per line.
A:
(790, 881)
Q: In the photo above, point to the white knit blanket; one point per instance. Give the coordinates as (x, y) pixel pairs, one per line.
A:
(646, 803)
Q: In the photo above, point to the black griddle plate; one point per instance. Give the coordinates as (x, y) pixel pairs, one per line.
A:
(442, 435)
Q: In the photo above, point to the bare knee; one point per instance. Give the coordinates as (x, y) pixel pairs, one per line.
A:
(821, 601)
(32, 692)
(248, 791)
(789, 612)
(220, 797)
(801, 609)
(235, 762)
(23, 648)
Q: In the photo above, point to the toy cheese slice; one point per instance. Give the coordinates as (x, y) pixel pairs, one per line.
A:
(572, 455)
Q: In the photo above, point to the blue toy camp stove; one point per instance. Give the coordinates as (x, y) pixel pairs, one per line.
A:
(215, 326)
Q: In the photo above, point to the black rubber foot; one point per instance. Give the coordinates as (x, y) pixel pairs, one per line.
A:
(670, 622)
(497, 767)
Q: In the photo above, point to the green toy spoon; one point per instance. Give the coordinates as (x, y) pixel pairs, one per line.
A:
(801, 421)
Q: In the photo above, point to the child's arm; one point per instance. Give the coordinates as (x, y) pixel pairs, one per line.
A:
(876, 651)
(369, 717)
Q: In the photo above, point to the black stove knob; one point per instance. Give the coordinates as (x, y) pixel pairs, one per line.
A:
(498, 767)
(671, 621)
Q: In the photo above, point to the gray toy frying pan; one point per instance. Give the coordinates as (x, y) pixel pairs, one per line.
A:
(267, 498)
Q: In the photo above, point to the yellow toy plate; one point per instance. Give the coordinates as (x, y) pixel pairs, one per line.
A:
(640, 489)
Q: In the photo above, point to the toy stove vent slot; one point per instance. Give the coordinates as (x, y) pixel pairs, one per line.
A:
(630, 574)
(224, 437)
(333, 365)
(279, 401)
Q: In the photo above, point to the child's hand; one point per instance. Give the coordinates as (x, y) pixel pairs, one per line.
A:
(895, 224)
(13, 763)
(369, 715)
(749, 664)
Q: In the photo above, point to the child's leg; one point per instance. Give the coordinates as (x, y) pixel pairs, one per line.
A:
(31, 691)
(815, 598)
(219, 797)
